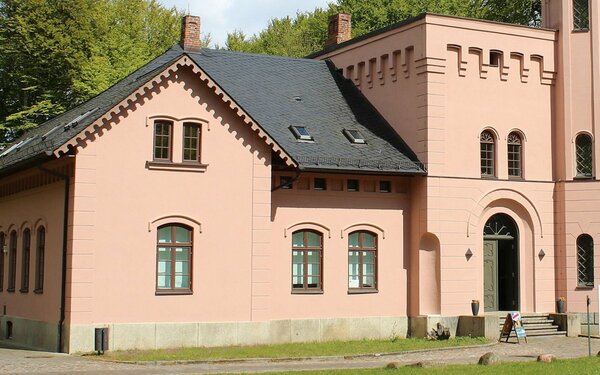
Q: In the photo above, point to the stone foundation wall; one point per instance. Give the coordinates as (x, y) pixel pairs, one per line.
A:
(172, 335)
(29, 333)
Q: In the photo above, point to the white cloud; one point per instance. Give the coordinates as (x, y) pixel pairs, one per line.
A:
(219, 17)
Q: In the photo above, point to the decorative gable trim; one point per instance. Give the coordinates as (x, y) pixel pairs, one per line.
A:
(121, 109)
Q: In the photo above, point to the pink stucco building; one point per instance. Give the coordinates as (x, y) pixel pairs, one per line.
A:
(216, 198)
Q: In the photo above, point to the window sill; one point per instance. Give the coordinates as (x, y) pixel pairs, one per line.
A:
(38, 291)
(584, 287)
(304, 291)
(488, 177)
(173, 292)
(10, 290)
(584, 178)
(24, 291)
(170, 166)
(363, 291)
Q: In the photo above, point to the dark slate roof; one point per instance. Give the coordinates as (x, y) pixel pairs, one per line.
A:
(277, 92)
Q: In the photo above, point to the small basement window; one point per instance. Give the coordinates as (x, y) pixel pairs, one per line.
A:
(285, 182)
(301, 133)
(385, 187)
(320, 184)
(354, 136)
(495, 57)
(352, 185)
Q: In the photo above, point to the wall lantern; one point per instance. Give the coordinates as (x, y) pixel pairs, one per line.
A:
(541, 254)
(5, 249)
(468, 254)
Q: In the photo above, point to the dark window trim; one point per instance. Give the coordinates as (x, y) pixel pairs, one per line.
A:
(515, 140)
(25, 260)
(170, 140)
(581, 25)
(12, 262)
(305, 249)
(360, 249)
(198, 145)
(40, 254)
(2, 254)
(585, 271)
(173, 245)
(487, 137)
(584, 157)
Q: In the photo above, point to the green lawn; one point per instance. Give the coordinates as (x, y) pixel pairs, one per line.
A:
(334, 348)
(573, 366)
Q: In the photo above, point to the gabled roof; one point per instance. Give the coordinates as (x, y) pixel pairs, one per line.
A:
(276, 92)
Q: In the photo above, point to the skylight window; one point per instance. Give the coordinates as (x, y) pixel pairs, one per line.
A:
(354, 136)
(301, 133)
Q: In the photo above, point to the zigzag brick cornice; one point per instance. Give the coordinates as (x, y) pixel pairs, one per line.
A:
(137, 96)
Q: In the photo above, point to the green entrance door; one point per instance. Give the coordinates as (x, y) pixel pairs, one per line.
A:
(490, 275)
(500, 264)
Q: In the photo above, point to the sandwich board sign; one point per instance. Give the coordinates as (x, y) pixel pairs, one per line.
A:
(513, 323)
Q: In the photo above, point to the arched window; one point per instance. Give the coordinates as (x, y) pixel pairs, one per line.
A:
(174, 259)
(2, 244)
(362, 261)
(307, 261)
(25, 255)
(515, 155)
(583, 155)
(39, 259)
(585, 260)
(12, 261)
(488, 154)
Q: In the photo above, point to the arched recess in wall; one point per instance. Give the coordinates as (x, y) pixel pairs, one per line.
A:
(507, 195)
(528, 227)
(429, 275)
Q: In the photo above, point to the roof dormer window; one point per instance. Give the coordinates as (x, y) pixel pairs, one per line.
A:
(301, 133)
(354, 136)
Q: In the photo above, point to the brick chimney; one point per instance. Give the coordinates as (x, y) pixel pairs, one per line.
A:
(340, 29)
(190, 33)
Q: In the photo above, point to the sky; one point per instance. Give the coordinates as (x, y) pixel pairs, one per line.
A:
(219, 17)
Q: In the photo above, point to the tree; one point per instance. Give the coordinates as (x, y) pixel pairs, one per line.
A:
(56, 54)
(307, 32)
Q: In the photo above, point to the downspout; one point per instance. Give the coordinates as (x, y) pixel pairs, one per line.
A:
(63, 285)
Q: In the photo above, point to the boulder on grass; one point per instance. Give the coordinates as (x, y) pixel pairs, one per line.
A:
(489, 359)
(393, 365)
(546, 358)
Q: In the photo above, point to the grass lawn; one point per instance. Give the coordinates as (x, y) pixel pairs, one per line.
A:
(582, 366)
(334, 348)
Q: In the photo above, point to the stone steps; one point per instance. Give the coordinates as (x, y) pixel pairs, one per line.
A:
(536, 324)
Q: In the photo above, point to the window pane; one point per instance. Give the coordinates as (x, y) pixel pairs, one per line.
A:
(164, 235)
(368, 240)
(183, 235)
(353, 281)
(368, 282)
(313, 281)
(353, 240)
(314, 239)
(298, 239)
(164, 282)
(314, 257)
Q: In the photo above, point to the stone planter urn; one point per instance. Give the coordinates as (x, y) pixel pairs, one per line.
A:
(475, 307)
(560, 305)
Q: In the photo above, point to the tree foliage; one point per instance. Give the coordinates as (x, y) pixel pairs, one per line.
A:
(307, 32)
(56, 54)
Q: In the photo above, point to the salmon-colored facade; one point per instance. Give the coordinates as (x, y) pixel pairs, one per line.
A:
(504, 213)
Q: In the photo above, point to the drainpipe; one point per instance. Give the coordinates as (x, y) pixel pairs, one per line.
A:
(63, 285)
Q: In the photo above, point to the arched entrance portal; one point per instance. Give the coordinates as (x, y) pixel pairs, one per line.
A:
(501, 264)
